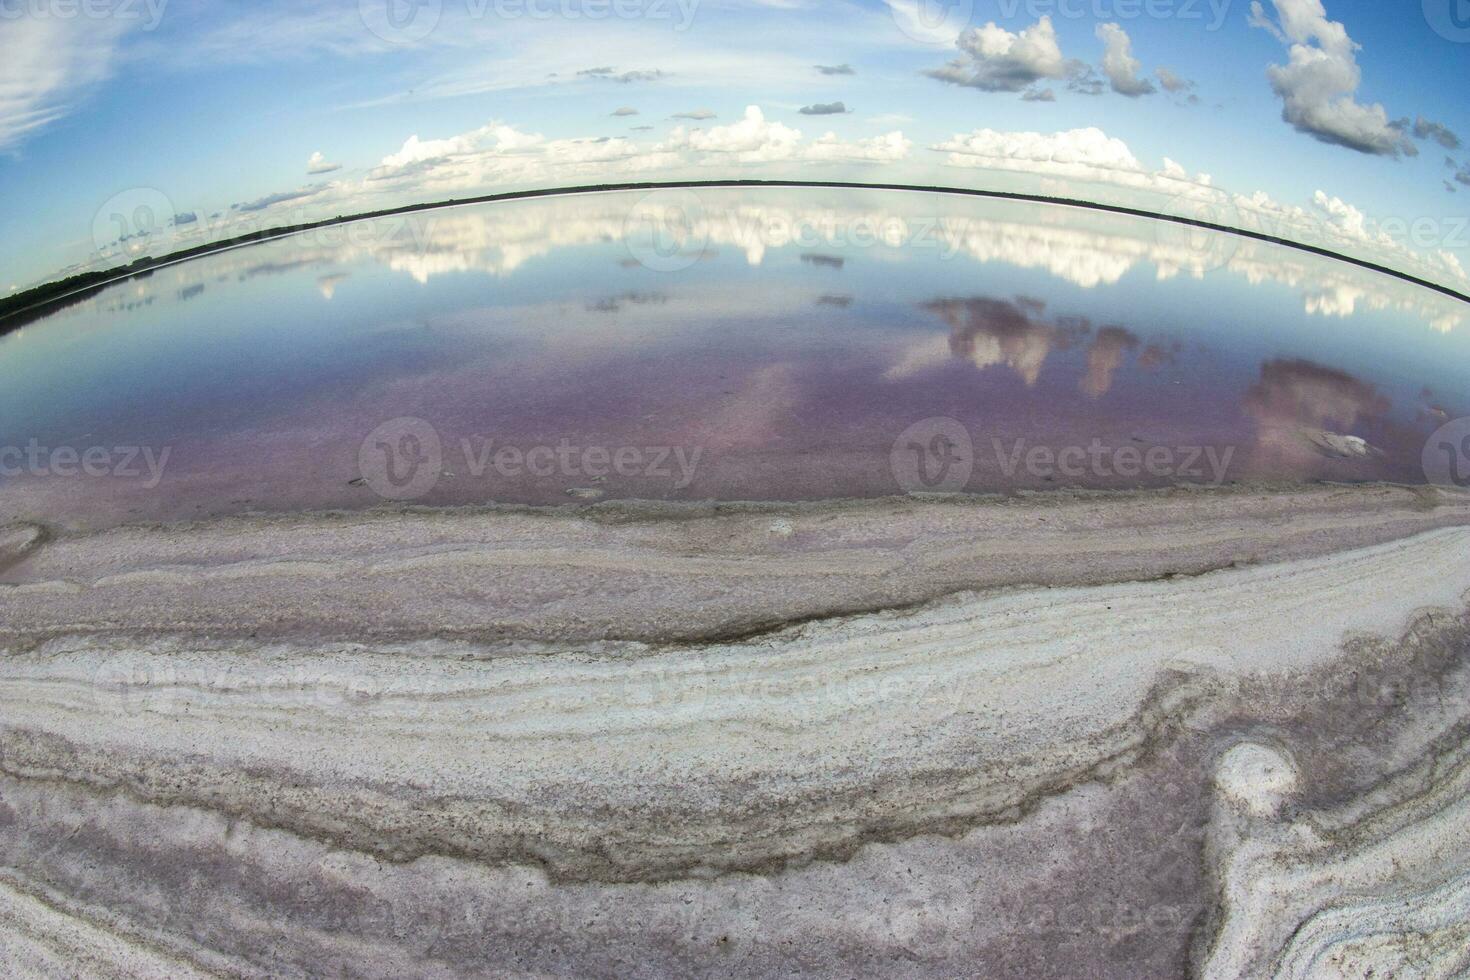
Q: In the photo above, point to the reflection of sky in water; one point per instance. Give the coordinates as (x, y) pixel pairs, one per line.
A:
(791, 364)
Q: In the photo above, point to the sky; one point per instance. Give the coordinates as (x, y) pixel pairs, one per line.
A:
(133, 127)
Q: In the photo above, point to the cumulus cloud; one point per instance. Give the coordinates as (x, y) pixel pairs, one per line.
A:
(1424, 129)
(1084, 148)
(1319, 83)
(843, 69)
(824, 109)
(415, 151)
(1078, 154)
(319, 164)
(1083, 79)
(1119, 64)
(417, 155)
(1343, 217)
(1038, 95)
(1463, 175)
(1336, 224)
(887, 148)
(995, 60)
(625, 110)
(751, 140)
(1172, 81)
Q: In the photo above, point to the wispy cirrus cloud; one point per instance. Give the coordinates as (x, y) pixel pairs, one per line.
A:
(47, 66)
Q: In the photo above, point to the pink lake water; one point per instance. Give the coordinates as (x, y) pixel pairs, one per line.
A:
(728, 345)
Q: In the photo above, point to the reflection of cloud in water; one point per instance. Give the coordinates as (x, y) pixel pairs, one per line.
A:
(1087, 249)
(1091, 258)
(615, 304)
(988, 332)
(1335, 289)
(1104, 358)
(1303, 408)
(750, 417)
(1084, 258)
(1155, 356)
(258, 269)
(1301, 392)
(327, 285)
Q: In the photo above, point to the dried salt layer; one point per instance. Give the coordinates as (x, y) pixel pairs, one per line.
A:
(1199, 731)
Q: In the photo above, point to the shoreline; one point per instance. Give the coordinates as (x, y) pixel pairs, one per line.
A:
(659, 573)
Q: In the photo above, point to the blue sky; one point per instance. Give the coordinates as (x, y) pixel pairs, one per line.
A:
(213, 109)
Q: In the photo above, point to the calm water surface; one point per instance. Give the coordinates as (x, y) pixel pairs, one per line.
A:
(730, 345)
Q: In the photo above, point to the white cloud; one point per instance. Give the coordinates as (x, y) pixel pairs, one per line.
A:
(1427, 129)
(47, 64)
(878, 149)
(1087, 147)
(495, 138)
(1119, 64)
(319, 164)
(415, 150)
(1346, 219)
(1319, 83)
(1335, 224)
(751, 140)
(1173, 81)
(1078, 154)
(998, 61)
